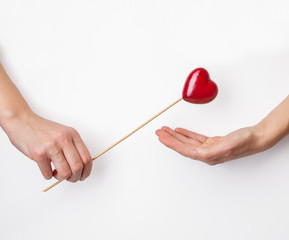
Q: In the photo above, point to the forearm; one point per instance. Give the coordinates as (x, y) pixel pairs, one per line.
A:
(12, 104)
(42, 140)
(274, 126)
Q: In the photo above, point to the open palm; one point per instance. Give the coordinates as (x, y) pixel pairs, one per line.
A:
(211, 150)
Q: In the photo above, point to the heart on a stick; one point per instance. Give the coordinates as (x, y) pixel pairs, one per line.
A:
(199, 88)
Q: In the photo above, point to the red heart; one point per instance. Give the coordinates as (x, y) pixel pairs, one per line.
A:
(199, 88)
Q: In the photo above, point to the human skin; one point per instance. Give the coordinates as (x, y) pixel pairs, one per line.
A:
(42, 140)
(240, 143)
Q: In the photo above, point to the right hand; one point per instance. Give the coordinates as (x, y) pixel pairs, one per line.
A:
(48, 142)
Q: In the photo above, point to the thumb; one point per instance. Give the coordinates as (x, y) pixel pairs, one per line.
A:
(208, 153)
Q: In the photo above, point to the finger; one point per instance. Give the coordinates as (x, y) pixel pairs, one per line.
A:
(163, 133)
(175, 144)
(178, 136)
(159, 132)
(74, 161)
(192, 135)
(62, 170)
(84, 155)
(45, 168)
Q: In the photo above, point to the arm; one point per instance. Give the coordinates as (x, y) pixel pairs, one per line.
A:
(240, 143)
(275, 126)
(42, 140)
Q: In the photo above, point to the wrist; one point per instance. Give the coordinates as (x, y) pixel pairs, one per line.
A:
(265, 139)
(9, 119)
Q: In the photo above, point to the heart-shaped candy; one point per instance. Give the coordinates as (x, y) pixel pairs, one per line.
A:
(199, 88)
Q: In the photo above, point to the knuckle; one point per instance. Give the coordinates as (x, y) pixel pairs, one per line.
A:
(73, 132)
(87, 160)
(47, 175)
(61, 137)
(65, 174)
(38, 154)
(77, 167)
(72, 180)
(51, 147)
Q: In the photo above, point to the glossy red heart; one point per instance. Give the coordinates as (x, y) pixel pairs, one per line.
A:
(199, 88)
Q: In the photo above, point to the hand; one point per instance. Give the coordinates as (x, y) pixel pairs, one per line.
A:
(45, 141)
(212, 150)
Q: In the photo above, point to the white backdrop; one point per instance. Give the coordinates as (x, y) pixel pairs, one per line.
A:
(105, 67)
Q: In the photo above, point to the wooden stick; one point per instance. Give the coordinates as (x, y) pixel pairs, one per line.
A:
(119, 141)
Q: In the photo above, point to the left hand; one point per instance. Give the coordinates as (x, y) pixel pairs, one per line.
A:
(212, 150)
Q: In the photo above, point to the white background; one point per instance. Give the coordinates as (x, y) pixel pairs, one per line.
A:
(105, 67)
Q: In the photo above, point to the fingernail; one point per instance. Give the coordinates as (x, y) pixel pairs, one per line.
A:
(194, 154)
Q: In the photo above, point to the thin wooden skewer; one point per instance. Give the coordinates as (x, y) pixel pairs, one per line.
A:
(119, 141)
